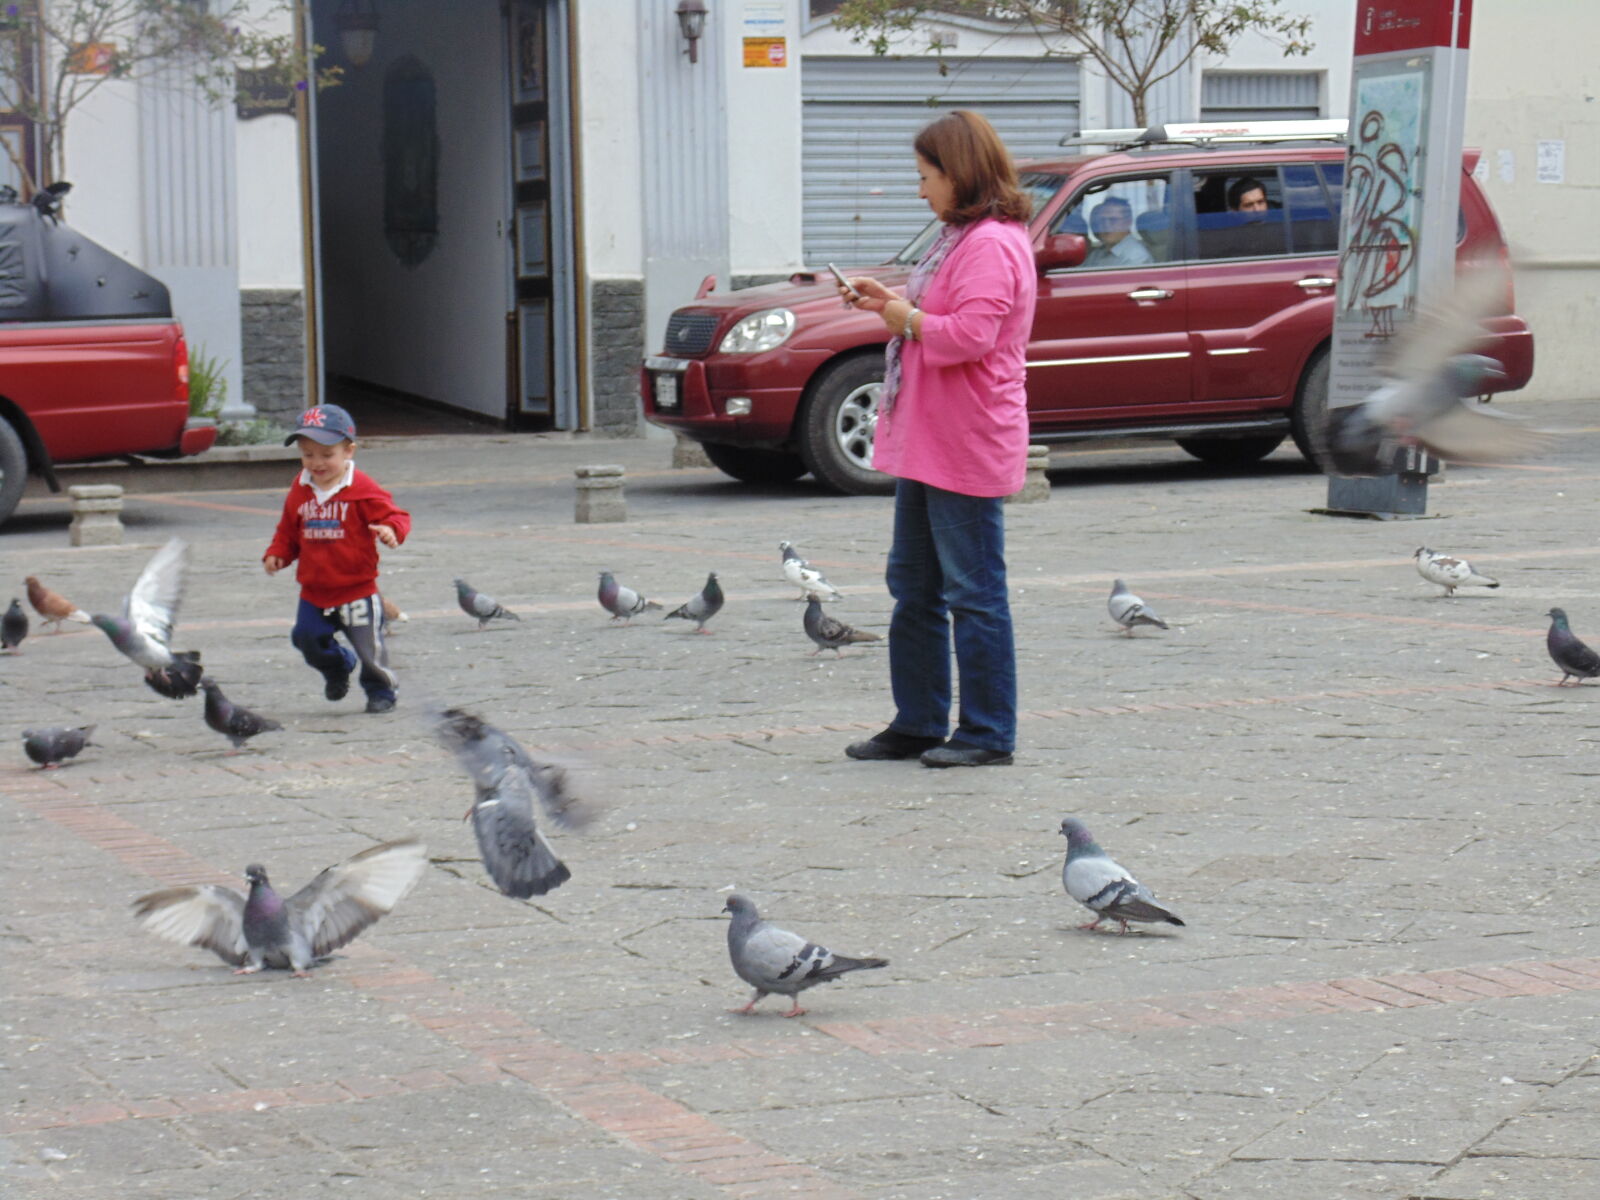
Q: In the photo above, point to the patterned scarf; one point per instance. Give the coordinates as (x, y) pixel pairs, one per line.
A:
(921, 276)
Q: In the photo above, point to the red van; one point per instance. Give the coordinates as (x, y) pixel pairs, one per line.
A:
(1162, 312)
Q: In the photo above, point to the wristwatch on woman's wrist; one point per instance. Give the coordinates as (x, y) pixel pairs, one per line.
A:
(910, 329)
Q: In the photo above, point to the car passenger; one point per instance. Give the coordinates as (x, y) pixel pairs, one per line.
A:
(1247, 195)
(1112, 223)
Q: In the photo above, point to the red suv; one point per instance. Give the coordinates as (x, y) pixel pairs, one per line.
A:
(1164, 311)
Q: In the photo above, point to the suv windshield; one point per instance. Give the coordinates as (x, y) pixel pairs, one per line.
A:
(1039, 186)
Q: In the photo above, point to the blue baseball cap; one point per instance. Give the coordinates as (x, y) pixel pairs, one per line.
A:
(326, 423)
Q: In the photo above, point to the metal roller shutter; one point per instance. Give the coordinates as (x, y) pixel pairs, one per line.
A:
(1261, 96)
(860, 115)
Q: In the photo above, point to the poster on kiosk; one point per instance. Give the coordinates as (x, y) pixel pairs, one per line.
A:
(1397, 237)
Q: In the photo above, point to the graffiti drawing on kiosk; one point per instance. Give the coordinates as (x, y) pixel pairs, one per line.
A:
(1383, 203)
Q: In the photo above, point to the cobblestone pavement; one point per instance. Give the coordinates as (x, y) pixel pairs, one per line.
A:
(1371, 804)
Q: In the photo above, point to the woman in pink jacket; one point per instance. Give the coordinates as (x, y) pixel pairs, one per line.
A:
(953, 429)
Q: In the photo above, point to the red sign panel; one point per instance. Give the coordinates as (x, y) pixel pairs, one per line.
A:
(1395, 26)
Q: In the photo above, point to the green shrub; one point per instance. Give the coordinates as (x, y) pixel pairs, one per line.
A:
(208, 385)
(258, 432)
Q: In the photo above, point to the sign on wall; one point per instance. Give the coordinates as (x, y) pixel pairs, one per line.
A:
(764, 25)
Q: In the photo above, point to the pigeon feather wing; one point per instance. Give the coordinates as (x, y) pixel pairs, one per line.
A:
(152, 605)
(346, 898)
(1480, 435)
(519, 861)
(207, 916)
(1086, 879)
(774, 958)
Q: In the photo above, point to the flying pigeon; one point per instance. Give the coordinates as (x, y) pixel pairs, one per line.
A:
(1128, 610)
(1576, 660)
(476, 604)
(770, 959)
(265, 930)
(1429, 397)
(53, 746)
(235, 722)
(1103, 887)
(703, 607)
(53, 606)
(506, 780)
(804, 576)
(144, 630)
(623, 603)
(1449, 573)
(830, 634)
(13, 627)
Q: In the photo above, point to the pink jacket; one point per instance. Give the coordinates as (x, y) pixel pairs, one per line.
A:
(960, 421)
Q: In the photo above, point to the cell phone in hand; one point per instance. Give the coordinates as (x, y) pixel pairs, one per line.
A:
(843, 282)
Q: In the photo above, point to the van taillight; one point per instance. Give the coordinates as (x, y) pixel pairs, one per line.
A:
(180, 367)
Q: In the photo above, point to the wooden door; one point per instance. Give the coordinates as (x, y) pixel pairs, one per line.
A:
(531, 375)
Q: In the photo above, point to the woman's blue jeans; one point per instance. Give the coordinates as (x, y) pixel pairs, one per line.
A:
(948, 561)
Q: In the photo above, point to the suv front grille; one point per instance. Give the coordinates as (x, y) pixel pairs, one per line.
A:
(690, 333)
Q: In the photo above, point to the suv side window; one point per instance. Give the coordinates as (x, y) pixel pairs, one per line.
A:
(1239, 214)
(1313, 225)
(1128, 221)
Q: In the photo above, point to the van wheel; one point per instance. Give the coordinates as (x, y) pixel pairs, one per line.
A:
(750, 465)
(1310, 411)
(838, 423)
(1231, 452)
(13, 469)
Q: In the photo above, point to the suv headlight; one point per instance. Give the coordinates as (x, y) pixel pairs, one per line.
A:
(765, 330)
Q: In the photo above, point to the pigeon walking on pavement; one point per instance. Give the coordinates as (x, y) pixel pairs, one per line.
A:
(52, 746)
(1449, 572)
(771, 960)
(53, 606)
(505, 781)
(477, 604)
(235, 722)
(1095, 881)
(144, 630)
(804, 576)
(703, 607)
(1576, 660)
(830, 634)
(265, 930)
(13, 627)
(1129, 611)
(623, 603)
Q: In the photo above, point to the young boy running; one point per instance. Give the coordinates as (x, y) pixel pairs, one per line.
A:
(331, 519)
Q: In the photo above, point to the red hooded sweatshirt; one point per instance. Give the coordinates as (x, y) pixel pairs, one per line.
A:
(338, 554)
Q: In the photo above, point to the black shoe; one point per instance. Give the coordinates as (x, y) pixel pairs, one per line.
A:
(380, 704)
(890, 746)
(337, 687)
(958, 754)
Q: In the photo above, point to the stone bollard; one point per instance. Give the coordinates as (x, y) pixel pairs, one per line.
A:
(96, 514)
(600, 499)
(686, 452)
(1036, 486)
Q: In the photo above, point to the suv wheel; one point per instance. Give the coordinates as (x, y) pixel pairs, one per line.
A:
(1231, 452)
(13, 469)
(838, 423)
(1310, 411)
(750, 465)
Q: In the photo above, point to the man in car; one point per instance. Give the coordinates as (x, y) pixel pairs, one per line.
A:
(1247, 195)
(1112, 223)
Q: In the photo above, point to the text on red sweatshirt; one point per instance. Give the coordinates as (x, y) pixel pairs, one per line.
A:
(338, 554)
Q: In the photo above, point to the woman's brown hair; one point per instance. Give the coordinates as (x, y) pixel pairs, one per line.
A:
(964, 146)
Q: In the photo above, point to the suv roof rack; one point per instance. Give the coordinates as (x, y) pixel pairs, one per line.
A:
(1213, 133)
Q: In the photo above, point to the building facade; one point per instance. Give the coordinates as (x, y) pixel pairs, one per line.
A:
(495, 213)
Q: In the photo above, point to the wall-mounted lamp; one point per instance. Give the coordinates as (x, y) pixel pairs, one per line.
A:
(692, 23)
(357, 22)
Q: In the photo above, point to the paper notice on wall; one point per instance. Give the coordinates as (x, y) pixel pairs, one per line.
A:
(1480, 170)
(763, 24)
(1551, 164)
(1508, 165)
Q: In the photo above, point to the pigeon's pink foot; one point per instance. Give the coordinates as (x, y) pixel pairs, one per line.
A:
(796, 1011)
(702, 631)
(1091, 926)
(49, 766)
(302, 974)
(745, 1011)
(246, 970)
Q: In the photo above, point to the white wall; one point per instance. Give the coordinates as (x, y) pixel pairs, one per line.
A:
(1332, 37)
(270, 226)
(763, 151)
(438, 329)
(608, 134)
(103, 165)
(1530, 81)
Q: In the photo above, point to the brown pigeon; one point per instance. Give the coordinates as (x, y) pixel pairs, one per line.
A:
(53, 606)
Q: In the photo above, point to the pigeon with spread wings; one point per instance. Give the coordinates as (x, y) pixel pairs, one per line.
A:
(144, 630)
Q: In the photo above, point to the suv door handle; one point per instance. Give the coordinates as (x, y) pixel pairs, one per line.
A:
(1315, 281)
(1149, 294)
